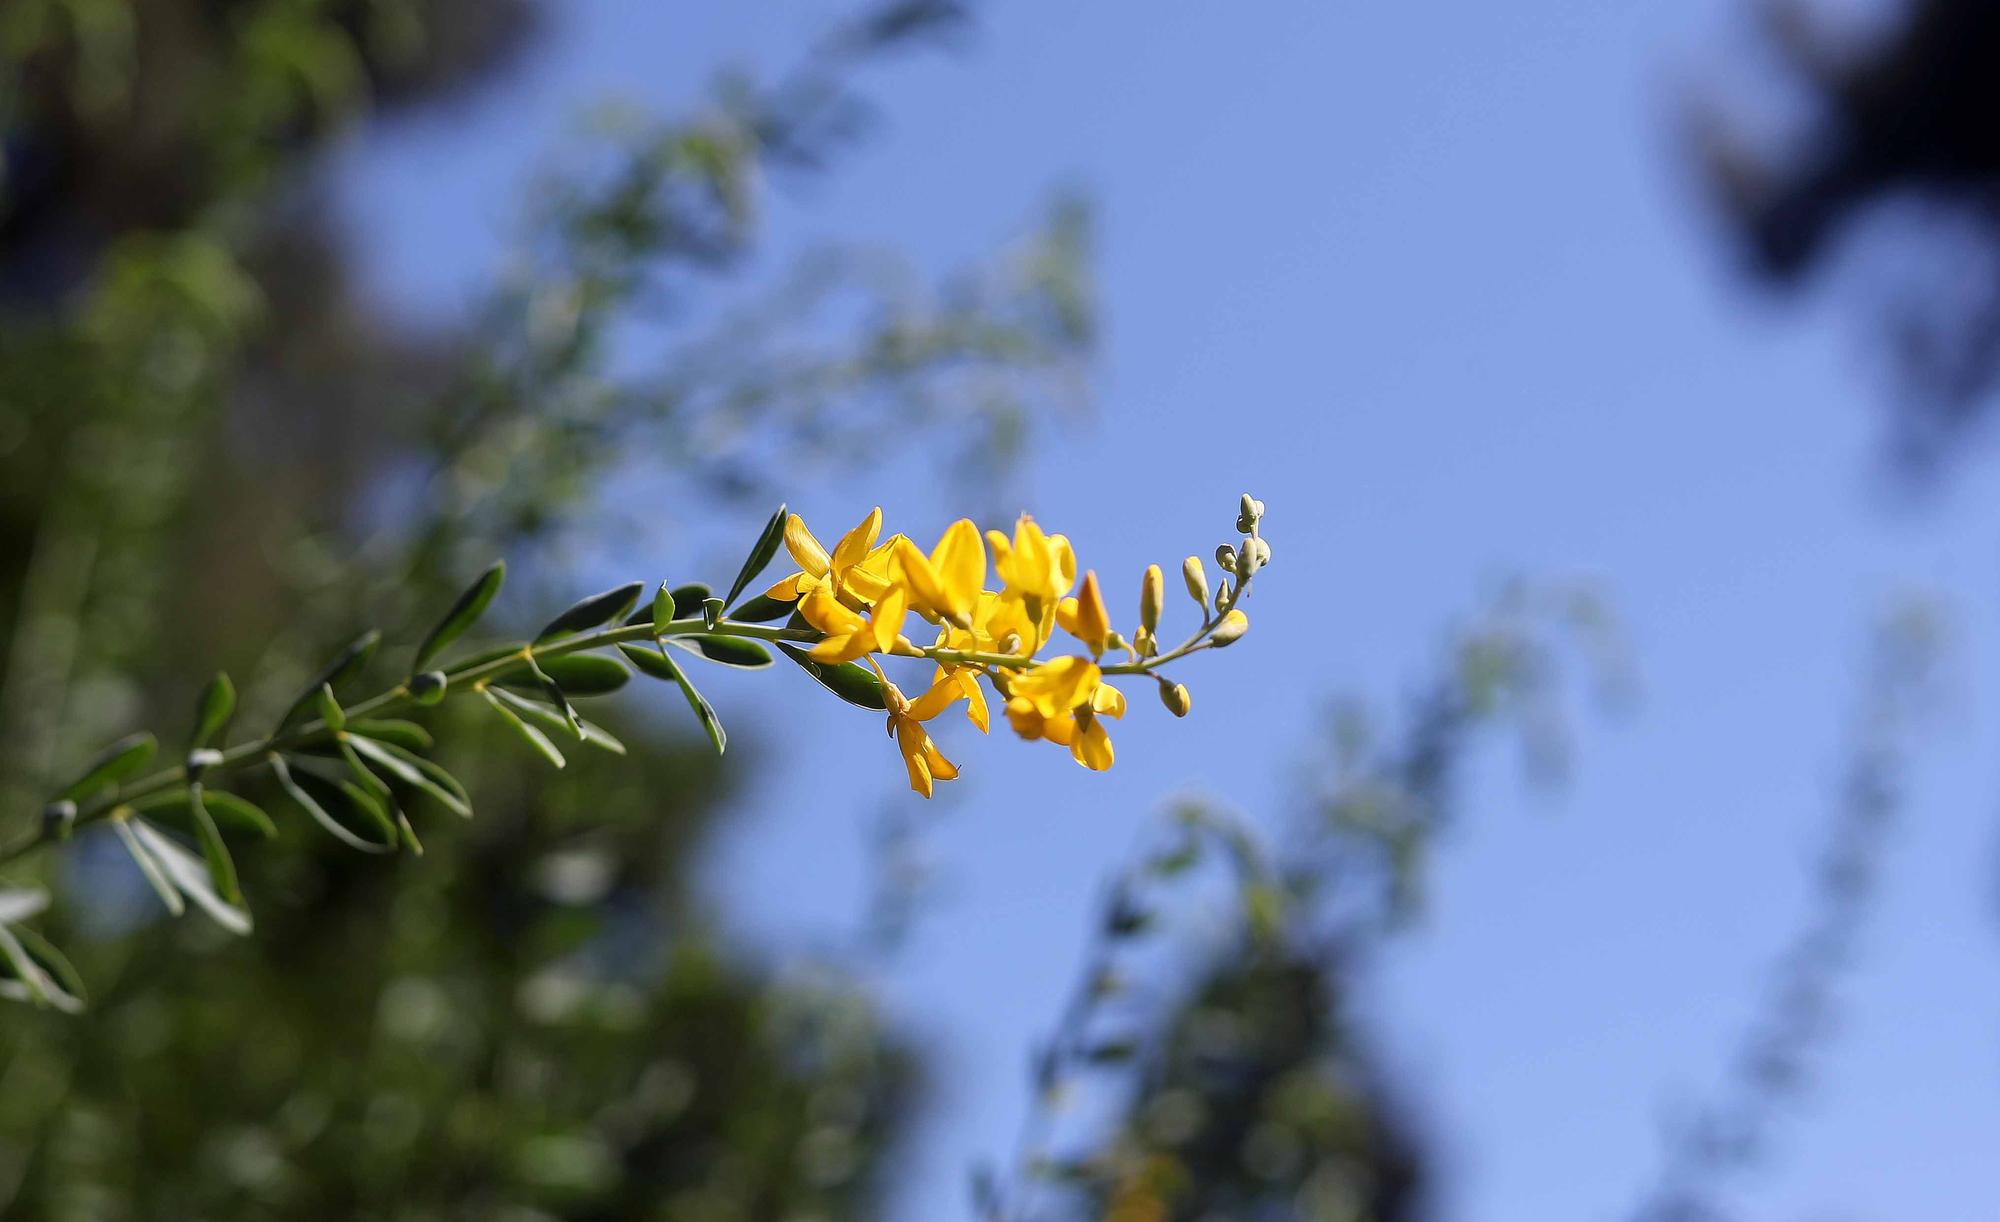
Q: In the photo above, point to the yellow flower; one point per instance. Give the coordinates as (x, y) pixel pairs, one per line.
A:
(1064, 701)
(857, 572)
(947, 583)
(1036, 570)
(1084, 616)
(952, 685)
(921, 757)
(848, 634)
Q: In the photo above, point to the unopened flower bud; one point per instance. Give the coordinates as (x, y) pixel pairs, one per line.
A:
(1247, 514)
(1197, 581)
(1263, 552)
(200, 761)
(1175, 697)
(1233, 625)
(1225, 556)
(1246, 558)
(1145, 643)
(429, 687)
(1152, 592)
(58, 818)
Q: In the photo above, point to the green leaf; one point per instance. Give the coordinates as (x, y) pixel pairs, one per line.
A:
(26, 980)
(577, 674)
(230, 812)
(330, 711)
(409, 832)
(17, 904)
(535, 710)
(735, 651)
(337, 672)
(113, 764)
(663, 609)
(60, 984)
(761, 610)
(212, 712)
(536, 739)
(149, 866)
(221, 868)
(688, 600)
(354, 798)
(593, 611)
(760, 554)
(408, 768)
(660, 666)
(850, 681)
(405, 734)
(463, 614)
(190, 877)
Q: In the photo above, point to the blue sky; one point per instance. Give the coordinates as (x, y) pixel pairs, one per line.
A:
(1434, 283)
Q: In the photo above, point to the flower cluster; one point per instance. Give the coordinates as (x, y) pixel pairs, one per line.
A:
(860, 595)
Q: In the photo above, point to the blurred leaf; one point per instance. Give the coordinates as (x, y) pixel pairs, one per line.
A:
(189, 875)
(593, 611)
(330, 711)
(230, 812)
(149, 866)
(534, 710)
(348, 664)
(850, 681)
(19, 903)
(415, 772)
(536, 739)
(221, 867)
(116, 762)
(760, 555)
(212, 713)
(405, 734)
(354, 799)
(733, 651)
(26, 979)
(463, 614)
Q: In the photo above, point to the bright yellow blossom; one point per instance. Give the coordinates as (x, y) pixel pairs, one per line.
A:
(952, 685)
(1066, 706)
(947, 583)
(848, 634)
(857, 572)
(1036, 570)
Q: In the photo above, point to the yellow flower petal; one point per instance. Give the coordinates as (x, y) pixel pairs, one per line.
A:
(886, 622)
(1059, 685)
(855, 545)
(1107, 701)
(826, 613)
(1091, 745)
(959, 561)
(806, 550)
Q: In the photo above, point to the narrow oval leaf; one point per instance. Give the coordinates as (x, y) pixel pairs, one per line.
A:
(760, 554)
(408, 769)
(536, 739)
(190, 877)
(330, 711)
(762, 610)
(154, 873)
(850, 681)
(221, 867)
(463, 614)
(577, 674)
(23, 979)
(113, 764)
(663, 608)
(689, 598)
(733, 651)
(660, 666)
(354, 799)
(536, 711)
(593, 611)
(405, 734)
(62, 983)
(336, 673)
(213, 711)
(233, 815)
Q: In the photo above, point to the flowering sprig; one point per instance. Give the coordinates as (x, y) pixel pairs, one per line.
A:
(357, 770)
